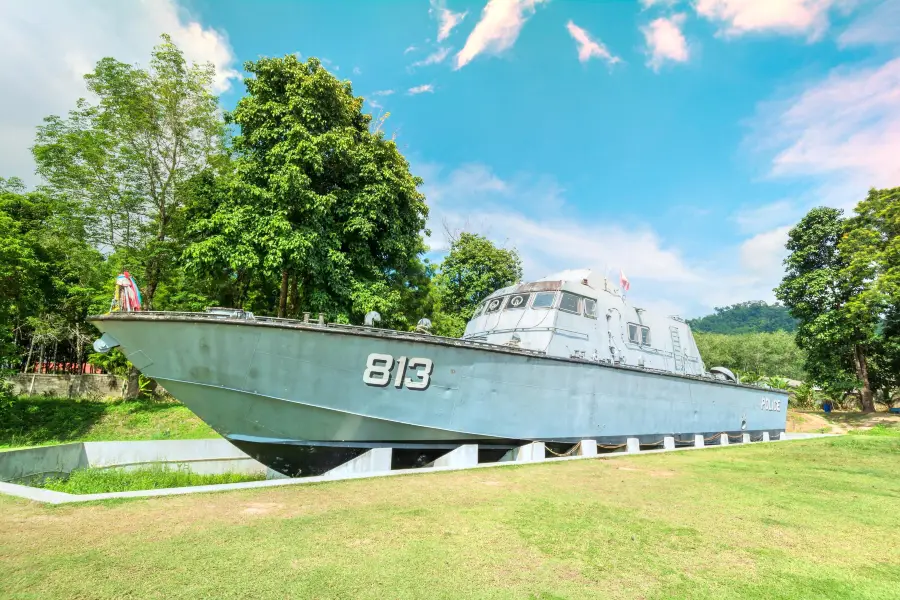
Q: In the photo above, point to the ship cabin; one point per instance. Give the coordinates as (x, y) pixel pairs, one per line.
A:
(576, 314)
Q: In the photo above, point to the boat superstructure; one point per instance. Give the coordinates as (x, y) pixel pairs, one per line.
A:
(575, 314)
(556, 360)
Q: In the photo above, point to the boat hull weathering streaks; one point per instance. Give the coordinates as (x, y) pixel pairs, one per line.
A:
(557, 360)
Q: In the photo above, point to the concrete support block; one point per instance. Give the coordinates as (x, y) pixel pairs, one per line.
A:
(723, 439)
(698, 440)
(745, 438)
(376, 460)
(464, 456)
(588, 447)
(632, 445)
(273, 474)
(766, 437)
(668, 443)
(533, 452)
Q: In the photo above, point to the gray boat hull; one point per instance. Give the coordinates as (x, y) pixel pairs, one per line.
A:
(286, 389)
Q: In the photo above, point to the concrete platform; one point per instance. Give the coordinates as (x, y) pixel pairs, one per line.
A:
(213, 454)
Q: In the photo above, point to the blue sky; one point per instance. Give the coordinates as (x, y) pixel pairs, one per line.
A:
(676, 140)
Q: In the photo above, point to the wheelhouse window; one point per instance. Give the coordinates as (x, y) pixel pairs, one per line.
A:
(590, 308)
(493, 305)
(478, 310)
(645, 336)
(639, 334)
(543, 300)
(517, 301)
(569, 303)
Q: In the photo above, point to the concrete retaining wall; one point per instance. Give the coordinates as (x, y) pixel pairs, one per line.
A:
(68, 386)
(200, 456)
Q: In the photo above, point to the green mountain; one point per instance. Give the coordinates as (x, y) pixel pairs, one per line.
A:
(746, 317)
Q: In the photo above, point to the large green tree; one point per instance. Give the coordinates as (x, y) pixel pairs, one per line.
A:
(829, 290)
(124, 157)
(318, 202)
(473, 269)
(50, 276)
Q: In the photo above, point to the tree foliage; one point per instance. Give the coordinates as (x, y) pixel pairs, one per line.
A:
(472, 270)
(746, 317)
(123, 158)
(842, 285)
(317, 200)
(753, 354)
(50, 276)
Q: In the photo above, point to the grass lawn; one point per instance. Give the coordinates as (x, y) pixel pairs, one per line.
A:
(100, 481)
(36, 421)
(807, 519)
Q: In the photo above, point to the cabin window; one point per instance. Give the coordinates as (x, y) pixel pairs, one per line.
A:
(569, 303)
(478, 311)
(639, 334)
(493, 305)
(590, 308)
(517, 301)
(543, 300)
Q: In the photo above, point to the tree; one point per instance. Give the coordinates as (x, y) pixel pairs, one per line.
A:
(828, 291)
(318, 202)
(759, 354)
(472, 270)
(46, 268)
(124, 158)
(746, 317)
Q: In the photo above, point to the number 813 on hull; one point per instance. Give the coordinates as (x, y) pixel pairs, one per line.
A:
(380, 367)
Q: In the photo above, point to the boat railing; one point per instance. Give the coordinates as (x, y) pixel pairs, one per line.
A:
(580, 334)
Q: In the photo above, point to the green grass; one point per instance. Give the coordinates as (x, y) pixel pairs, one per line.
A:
(804, 519)
(34, 421)
(99, 481)
(882, 430)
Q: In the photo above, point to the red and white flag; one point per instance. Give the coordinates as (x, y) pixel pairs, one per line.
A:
(624, 281)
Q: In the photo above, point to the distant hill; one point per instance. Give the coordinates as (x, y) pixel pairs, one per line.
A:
(746, 317)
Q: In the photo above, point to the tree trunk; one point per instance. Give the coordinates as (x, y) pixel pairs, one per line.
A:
(133, 387)
(152, 274)
(294, 305)
(34, 375)
(30, 351)
(862, 371)
(282, 300)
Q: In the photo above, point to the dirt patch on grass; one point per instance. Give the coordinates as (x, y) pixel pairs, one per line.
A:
(838, 422)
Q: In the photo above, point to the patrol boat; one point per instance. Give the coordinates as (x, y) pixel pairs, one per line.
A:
(557, 360)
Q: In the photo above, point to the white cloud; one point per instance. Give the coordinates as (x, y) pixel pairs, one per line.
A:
(421, 89)
(447, 19)
(665, 41)
(497, 31)
(410, 49)
(845, 128)
(357, 71)
(880, 25)
(434, 58)
(474, 198)
(513, 212)
(330, 64)
(762, 255)
(759, 218)
(652, 3)
(48, 46)
(588, 47)
(801, 17)
(383, 93)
